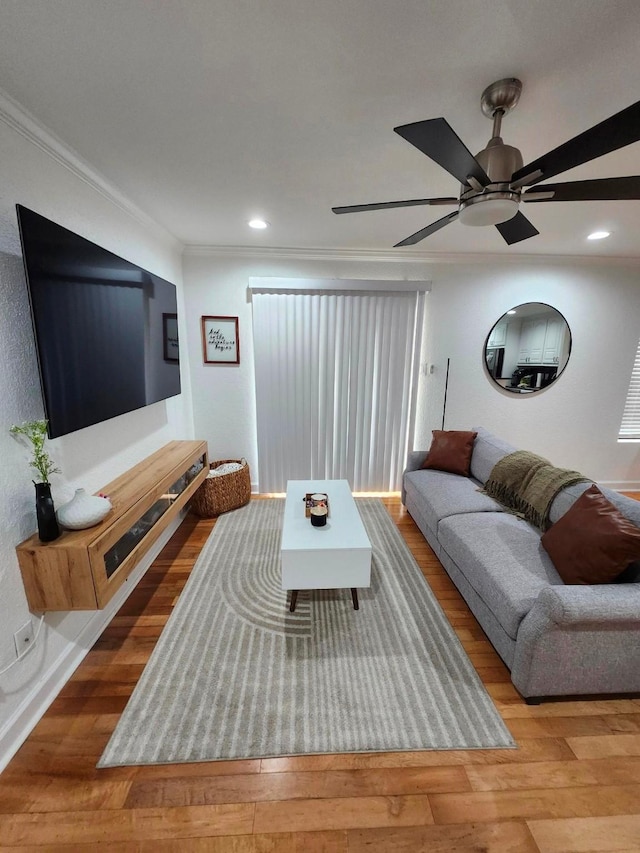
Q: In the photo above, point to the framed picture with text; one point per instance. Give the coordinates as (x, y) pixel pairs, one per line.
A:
(220, 340)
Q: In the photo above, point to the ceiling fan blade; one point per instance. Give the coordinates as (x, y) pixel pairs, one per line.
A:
(601, 189)
(430, 229)
(383, 205)
(437, 139)
(517, 229)
(615, 132)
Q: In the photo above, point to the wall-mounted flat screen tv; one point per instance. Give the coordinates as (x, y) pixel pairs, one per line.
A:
(105, 329)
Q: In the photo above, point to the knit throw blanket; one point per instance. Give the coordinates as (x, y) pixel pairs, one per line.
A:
(526, 484)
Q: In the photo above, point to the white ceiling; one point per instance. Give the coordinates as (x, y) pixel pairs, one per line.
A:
(207, 112)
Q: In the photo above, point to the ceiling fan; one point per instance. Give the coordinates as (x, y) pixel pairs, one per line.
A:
(494, 182)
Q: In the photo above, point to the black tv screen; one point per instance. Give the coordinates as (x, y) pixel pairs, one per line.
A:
(105, 329)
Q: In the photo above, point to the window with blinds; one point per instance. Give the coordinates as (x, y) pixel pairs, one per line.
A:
(336, 376)
(630, 426)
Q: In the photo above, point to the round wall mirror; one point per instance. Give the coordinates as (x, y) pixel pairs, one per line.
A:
(528, 348)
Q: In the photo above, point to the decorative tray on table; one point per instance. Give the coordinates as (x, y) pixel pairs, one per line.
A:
(312, 499)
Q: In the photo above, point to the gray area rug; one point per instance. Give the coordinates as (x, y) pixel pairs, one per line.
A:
(235, 675)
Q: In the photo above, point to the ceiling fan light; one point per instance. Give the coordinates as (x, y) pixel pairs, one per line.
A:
(488, 211)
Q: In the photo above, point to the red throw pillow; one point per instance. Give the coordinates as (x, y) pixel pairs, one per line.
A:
(592, 542)
(451, 451)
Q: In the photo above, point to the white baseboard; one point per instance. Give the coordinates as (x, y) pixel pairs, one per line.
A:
(621, 485)
(18, 727)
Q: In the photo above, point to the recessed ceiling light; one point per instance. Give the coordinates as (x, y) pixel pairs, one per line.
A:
(258, 223)
(599, 235)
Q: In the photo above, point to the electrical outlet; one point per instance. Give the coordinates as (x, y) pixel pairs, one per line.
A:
(23, 638)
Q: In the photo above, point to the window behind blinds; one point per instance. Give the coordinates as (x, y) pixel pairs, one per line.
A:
(630, 426)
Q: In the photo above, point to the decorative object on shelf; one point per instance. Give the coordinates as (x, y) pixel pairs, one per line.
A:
(83, 510)
(220, 340)
(48, 529)
(224, 492)
(35, 432)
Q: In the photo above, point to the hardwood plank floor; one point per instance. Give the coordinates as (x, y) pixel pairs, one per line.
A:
(573, 784)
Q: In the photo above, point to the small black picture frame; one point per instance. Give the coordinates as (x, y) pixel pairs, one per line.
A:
(170, 344)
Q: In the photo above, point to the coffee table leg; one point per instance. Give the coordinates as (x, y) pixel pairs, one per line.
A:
(354, 596)
(294, 599)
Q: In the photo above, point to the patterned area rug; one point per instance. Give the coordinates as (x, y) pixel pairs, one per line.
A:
(235, 675)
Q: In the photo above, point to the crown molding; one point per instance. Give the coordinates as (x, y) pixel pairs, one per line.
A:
(278, 253)
(19, 119)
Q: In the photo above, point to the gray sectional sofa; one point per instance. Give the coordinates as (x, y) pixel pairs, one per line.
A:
(556, 639)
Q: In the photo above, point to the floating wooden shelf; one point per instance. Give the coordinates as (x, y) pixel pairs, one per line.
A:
(82, 569)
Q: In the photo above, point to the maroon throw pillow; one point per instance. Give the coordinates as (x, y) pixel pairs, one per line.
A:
(592, 542)
(451, 451)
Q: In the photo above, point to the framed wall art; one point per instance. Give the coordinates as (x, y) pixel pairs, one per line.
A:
(220, 340)
(170, 347)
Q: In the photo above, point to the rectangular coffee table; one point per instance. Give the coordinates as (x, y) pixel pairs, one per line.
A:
(335, 556)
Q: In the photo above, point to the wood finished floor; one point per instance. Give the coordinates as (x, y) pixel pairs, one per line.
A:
(572, 786)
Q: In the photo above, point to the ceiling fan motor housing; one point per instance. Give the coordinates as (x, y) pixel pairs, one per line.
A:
(496, 202)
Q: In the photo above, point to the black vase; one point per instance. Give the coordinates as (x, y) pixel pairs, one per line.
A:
(48, 529)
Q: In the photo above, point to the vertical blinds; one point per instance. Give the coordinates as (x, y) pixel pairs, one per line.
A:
(335, 386)
(630, 426)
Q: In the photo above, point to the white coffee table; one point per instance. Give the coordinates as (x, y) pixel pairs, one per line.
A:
(335, 556)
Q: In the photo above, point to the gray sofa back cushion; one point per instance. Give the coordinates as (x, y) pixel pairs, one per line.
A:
(441, 494)
(487, 450)
(565, 499)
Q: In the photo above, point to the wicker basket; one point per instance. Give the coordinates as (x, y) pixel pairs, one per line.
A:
(221, 494)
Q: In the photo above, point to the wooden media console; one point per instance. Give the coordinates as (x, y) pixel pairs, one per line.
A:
(82, 569)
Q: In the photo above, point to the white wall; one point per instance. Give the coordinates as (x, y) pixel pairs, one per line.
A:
(36, 172)
(574, 423)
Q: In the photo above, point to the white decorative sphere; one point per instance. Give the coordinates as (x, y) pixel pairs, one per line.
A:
(83, 511)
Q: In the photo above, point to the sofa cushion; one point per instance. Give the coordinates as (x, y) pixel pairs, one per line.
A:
(565, 499)
(440, 494)
(450, 451)
(487, 450)
(592, 542)
(501, 557)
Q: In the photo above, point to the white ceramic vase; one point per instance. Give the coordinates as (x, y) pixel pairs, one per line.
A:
(83, 510)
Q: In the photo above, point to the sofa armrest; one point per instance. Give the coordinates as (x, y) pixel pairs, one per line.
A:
(415, 461)
(590, 605)
(580, 640)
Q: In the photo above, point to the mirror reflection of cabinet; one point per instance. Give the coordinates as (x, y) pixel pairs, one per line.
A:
(554, 340)
(542, 340)
(527, 348)
(532, 340)
(498, 335)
